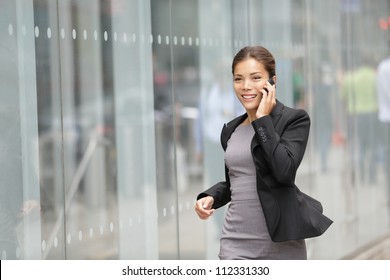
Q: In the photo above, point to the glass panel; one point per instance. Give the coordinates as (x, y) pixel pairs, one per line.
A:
(134, 129)
(111, 161)
(50, 128)
(165, 129)
(11, 170)
(108, 131)
(20, 217)
(90, 192)
(367, 189)
(323, 165)
(185, 77)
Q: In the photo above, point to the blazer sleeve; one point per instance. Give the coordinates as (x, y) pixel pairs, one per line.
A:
(283, 153)
(220, 192)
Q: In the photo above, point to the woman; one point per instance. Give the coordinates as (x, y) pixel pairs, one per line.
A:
(268, 217)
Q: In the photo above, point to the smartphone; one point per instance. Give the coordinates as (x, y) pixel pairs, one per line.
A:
(271, 81)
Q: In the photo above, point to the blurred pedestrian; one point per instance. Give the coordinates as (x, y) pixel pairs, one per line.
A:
(362, 106)
(383, 92)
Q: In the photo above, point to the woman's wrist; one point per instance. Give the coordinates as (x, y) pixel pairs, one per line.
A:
(260, 115)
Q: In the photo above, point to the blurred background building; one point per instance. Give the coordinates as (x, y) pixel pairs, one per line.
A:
(110, 113)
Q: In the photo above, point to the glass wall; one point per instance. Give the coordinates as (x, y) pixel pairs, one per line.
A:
(111, 112)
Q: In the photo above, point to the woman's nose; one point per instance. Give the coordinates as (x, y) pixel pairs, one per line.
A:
(246, 84)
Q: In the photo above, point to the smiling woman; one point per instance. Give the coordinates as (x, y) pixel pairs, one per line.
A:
(253, 71)
(268, 217)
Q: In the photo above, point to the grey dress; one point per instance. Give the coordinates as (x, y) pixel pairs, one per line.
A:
(245, 234)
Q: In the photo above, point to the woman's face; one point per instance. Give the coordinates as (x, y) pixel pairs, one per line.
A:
(249, 78)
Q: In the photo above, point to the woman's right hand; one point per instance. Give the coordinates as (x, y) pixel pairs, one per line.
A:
(203, 207)
(268, 100)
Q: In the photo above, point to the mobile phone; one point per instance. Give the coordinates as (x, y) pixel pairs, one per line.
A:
(271, 81)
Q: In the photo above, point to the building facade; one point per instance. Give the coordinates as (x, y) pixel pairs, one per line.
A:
(111, 112)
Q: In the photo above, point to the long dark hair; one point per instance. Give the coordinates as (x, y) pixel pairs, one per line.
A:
(259, 53)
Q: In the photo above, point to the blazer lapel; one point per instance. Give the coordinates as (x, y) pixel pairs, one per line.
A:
(277, 112)
(229, 128)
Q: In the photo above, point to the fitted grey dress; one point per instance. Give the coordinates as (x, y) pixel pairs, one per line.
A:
(245, 234)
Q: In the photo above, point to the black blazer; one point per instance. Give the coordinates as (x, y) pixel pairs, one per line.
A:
(277, 150)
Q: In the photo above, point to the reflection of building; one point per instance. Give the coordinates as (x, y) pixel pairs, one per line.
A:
(100, 101)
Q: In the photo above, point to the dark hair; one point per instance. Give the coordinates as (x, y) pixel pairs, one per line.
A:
(259, 53)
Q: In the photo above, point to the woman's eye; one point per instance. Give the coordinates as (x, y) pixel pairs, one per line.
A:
(237, 79)
(256, 78)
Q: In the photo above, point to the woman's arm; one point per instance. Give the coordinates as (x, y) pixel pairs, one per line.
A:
(283, 153)
(220, 193)
(213, 198)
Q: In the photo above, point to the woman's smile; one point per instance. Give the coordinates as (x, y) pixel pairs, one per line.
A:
(249, 96)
